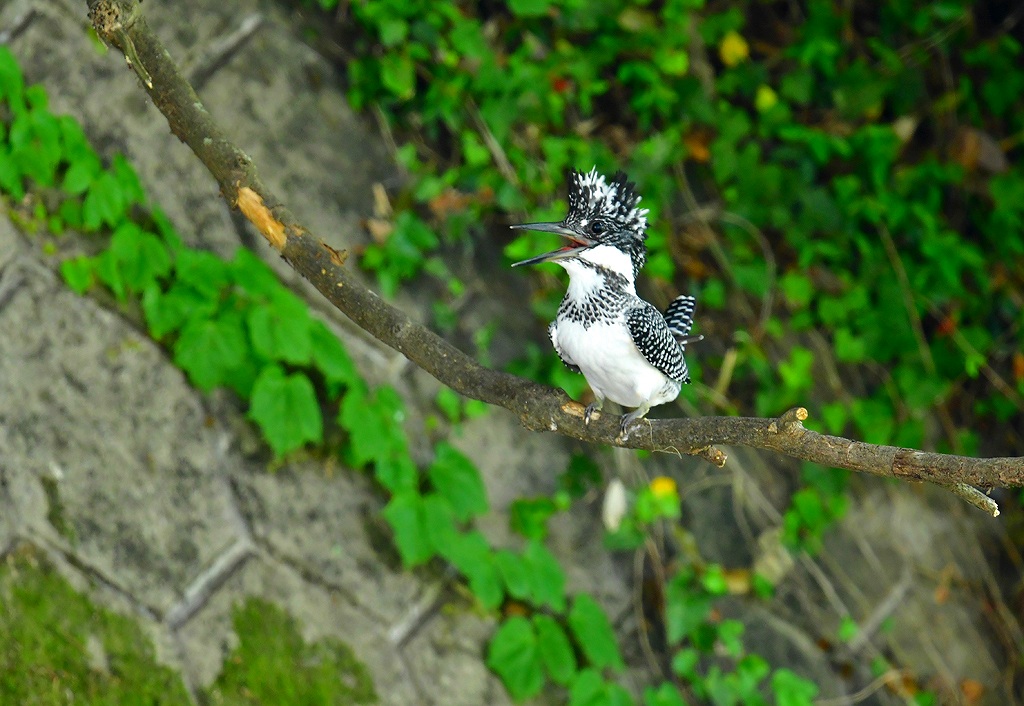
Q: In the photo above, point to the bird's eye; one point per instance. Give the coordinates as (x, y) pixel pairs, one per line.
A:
(597, 227)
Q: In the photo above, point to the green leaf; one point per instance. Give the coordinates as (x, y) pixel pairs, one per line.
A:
(581, 476)
(241, 378)
(714, 581)
(109, 274)
(12, 84)
(140, 257)
(439, 522)
(666, 695)
(762, 587)
(529, 8)
(796, 372)
(515, 573)
(128, 180)
(730, 633)
(10, 173)
(722, 688)
(529, 516)
(848, 629)
(392, 31)
(555, 649)
(396, 472)
(514, 656)
(618, 695)
(874, 419)
(458, 480)
(590, 689)
(81, 174)
(594, 633)
(750, 671)
(835, 415)
(405, 514)
(287, 410)
(403, 254)
(398, 74)
(684, 663)
(208, 348)
(546, 575)
(281, 331)
(70, 211)
(850, 348)
(104, 203)
(686, 607)
(673, 62)
(203, 271)
(471, 555)
(792, 690)
(330, 356)
(36, 143)
(78, 273)
(168, 311)
(374, 423)
(254, 275)
(450, 403)
(797, 288)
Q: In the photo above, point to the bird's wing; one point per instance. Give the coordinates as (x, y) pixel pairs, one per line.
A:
(679, 315)
(655, 341)
(564, 356)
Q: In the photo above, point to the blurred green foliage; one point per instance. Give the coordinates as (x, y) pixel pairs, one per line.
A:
(818, 172)
(840, 185)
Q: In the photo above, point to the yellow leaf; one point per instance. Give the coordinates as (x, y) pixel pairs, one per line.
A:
(663, 486)
(635, 20)
(765, 99)
(734, 49)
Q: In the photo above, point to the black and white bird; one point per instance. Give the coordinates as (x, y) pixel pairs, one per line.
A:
(629, 352)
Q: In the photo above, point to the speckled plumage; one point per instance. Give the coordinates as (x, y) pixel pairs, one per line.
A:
(655, 341)
(679, 315)
(626, 349)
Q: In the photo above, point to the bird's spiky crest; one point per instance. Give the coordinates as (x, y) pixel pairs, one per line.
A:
(592, 197)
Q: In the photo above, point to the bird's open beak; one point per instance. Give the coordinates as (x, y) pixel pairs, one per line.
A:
(577, 243)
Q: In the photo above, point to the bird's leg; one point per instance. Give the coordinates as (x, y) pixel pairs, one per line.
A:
(627, 419)
(594, 406)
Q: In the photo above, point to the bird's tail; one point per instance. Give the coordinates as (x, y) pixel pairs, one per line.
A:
(679, 317)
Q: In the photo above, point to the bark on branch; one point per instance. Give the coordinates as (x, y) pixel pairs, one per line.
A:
(121, 24)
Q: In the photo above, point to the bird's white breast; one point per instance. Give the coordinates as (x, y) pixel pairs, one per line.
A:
(612, 364)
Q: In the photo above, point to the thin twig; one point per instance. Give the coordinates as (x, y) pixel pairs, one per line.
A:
(638, 600)
(17, 26)
(856, 697)
(987, 370)
(975, 497)
(221, 50)
(907, 292)
(771, 267)
(868, 627)
(493, 146)
(909, 303)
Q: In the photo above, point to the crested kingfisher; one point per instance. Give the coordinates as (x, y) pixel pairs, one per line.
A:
(628, 351)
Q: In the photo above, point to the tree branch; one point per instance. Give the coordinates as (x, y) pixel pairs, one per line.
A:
(539, 407)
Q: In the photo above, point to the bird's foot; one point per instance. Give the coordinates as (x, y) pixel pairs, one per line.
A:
(589, 412)
(628, 419)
